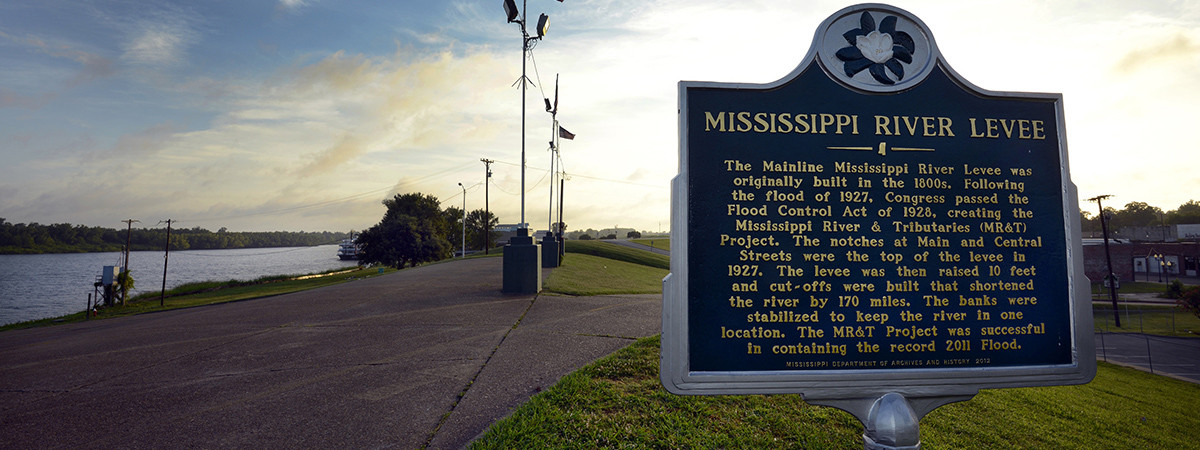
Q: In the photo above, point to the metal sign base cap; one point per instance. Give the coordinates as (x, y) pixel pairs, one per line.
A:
(891, 421)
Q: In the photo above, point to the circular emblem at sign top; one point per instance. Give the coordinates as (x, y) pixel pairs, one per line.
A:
(876, 48)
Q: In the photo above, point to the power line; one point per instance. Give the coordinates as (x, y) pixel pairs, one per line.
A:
(535, 185)
(457, 194)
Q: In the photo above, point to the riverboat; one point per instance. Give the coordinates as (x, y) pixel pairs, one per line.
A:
(348, 249)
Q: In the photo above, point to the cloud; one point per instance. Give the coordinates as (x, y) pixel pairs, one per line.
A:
(158, 44)
(10, 99)
(1168, 52)
(90, 66)
(291, 5)
(347, 149)
(146, 142)
(94, 65)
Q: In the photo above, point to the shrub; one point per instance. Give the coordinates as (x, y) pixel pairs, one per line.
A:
(1174, 290)
(1190, 300)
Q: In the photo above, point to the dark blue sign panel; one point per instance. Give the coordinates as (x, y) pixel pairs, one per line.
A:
(835, 229)
(871, 212)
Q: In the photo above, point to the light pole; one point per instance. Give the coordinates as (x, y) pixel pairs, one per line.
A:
(1163, 266)
(522, 255)
(543, 25)
(464, 221)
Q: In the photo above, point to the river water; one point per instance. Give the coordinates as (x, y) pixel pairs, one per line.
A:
(41, 286)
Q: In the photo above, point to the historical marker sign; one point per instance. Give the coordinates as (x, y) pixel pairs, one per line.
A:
(873, 223)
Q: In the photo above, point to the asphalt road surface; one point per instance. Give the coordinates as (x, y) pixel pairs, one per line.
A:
(426, 357)
(1171, 356)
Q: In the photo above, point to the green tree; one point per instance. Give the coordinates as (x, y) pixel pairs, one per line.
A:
(1136, 214)
(475, 228)
(412, 231)
(124, 283)
(453, 217)
(1187, 213)
(1190, 300)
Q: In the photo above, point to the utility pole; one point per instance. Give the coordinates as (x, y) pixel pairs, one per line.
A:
(128, 242)
(487, 216)
(464, 221)
(1112, 286)
(166, 256)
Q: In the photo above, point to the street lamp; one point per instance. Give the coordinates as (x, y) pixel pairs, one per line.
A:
(1163, 266)
(522, 265)
(464, 221)
(543, 26)
(511, 12)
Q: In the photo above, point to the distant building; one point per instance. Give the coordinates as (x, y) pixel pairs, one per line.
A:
(1142, 261)
(505, 231)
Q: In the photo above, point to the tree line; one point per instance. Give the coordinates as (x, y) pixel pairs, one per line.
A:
(34, 238)
(415, 229)
(1139, 214)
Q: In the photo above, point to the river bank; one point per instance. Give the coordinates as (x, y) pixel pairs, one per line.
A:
(208, 293)
(41, 286)
(35, 238)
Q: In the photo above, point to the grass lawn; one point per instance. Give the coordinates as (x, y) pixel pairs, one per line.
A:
(619, 252)
(663, 243)
(584, 274)
(619, 402)
(207, 293)
(1130, 287)
(1148, 319)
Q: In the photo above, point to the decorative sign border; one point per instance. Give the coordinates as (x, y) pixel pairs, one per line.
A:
(874, 51)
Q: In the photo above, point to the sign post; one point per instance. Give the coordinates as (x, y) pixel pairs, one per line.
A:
(874, 232)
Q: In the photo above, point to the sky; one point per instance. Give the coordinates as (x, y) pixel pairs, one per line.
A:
(303, 115)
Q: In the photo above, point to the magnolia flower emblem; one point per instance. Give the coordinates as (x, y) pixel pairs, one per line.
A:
(877, 51)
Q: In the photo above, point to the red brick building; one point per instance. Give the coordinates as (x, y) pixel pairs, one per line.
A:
(1142, 261)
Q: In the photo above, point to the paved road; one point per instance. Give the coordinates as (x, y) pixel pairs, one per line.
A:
(424, 357)
(1171, 356)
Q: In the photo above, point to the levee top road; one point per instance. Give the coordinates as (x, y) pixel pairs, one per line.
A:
(831, 229)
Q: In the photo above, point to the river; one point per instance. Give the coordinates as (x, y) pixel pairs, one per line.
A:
(52, 285)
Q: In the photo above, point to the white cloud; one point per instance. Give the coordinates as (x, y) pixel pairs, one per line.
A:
(291, 5)
(158, 44)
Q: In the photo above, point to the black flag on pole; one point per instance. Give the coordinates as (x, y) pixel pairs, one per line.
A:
(563, 133)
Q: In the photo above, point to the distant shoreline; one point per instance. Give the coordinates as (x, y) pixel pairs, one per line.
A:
(34, 238)
(54, 251)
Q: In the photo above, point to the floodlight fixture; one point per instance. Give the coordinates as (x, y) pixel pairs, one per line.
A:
(543, 25)
(510, 8)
